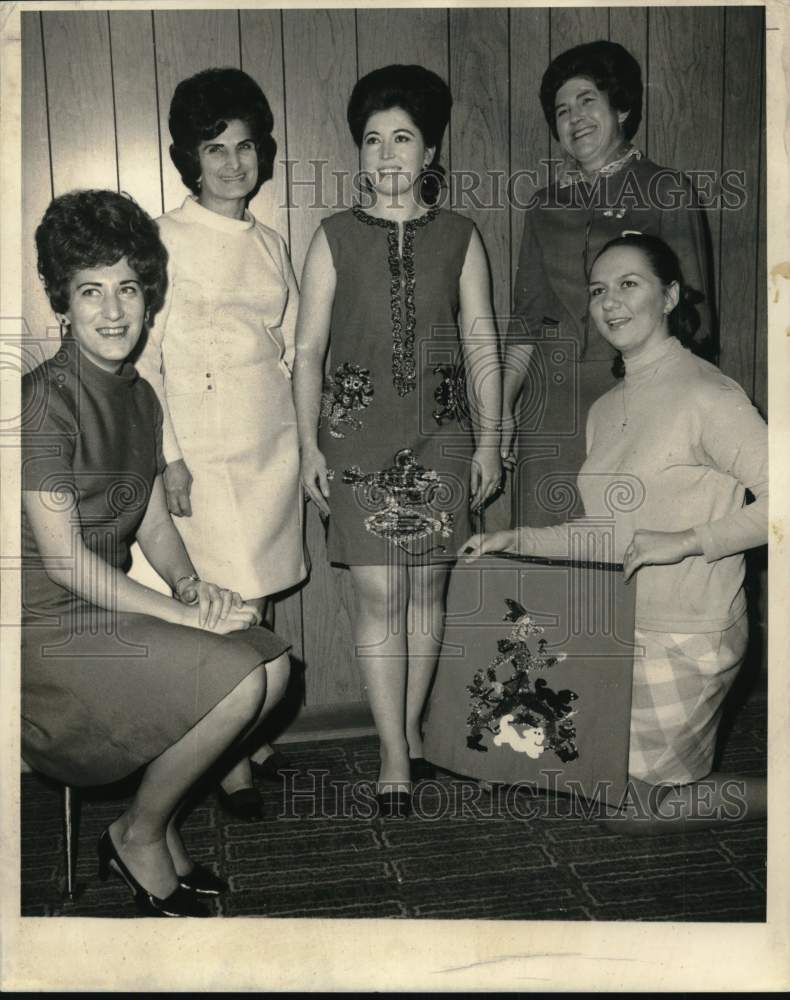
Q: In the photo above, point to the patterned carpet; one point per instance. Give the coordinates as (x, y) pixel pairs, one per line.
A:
(469, 853)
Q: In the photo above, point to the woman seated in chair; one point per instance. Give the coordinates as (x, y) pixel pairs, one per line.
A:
(115, 676)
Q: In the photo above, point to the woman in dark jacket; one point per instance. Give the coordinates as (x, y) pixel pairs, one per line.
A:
(556, 361)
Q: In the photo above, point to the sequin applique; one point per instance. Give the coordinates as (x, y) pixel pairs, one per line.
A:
(401, 501)
(525, 715)
(348, 391)
(450, 395)
(402, 277)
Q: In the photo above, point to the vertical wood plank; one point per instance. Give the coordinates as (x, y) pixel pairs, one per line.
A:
(262, 59)
(686, 51)
(480, 141)
(575, 25)
(628, 27)
(320, 70)
(480, 133)
(36, 185)
(739, 229)
(188, 41)
(572, 26)
(529, 133)
(529, 151)
(136, 113)
(81, 112)
(761, 311)
(408, 36)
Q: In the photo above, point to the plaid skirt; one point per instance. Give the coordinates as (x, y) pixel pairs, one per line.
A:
(678, 693)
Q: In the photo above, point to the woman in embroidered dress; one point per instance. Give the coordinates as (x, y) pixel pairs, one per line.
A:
(116, 676)
(390, 286)
(693, 440)
(219, 358)
(555, 360)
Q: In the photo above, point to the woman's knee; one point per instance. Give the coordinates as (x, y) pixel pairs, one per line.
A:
(245, 700)
(277, 673)
(382, 595)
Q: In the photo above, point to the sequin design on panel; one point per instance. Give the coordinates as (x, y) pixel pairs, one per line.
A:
(510, 708)
(347, 392)
(452, 402)
(402, 503)
(402, 287)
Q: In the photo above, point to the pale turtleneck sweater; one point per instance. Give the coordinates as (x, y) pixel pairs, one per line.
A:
(673, 446)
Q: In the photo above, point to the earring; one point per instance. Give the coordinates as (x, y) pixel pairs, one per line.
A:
(65, 323)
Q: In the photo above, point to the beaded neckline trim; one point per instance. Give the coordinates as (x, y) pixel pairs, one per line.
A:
(404, 371)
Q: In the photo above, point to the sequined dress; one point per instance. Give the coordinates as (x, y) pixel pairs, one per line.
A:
(395, 427)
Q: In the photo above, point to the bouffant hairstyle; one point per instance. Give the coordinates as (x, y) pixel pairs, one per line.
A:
(88, 229)
(611, 68)
(200, 110)
(684, 320)
(423, 95)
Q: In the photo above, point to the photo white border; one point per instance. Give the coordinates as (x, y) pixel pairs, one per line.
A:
(265, 954)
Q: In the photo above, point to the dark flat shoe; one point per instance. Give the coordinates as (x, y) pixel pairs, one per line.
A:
(180, 902)
(394, 805)
(269, 770)
(421, 769)
(244, 803)
(203, 881)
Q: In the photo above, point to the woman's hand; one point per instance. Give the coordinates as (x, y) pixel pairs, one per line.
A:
(492, 541)
(485, 477)
(236, 620)
(178, 483)
(315, 479)
(214, 603)
(659, 548)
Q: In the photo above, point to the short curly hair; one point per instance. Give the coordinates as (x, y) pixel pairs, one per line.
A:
(87, 229)
(420, 92)
(200, 110)
(611, 68)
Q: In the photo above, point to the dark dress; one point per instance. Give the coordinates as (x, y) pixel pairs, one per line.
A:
(104, 692)
(395, 427)
(565, 227)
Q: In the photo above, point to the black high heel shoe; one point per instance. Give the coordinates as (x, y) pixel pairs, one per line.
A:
(421, 769)
(180, 902)
(271, 768)
(203, 882)
(244, 803)
(394, 805)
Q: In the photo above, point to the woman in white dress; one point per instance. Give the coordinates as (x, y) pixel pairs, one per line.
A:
(219, 358)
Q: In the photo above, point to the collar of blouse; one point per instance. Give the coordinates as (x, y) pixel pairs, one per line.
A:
(571, 173)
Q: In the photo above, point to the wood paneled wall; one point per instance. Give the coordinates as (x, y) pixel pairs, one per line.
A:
(96, 91)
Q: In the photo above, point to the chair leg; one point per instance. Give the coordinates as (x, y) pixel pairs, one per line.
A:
(70, 820)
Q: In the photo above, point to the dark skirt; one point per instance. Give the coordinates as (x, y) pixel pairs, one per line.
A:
(104, 696)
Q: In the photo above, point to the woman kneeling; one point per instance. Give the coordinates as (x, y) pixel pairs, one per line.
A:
(692, 441)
